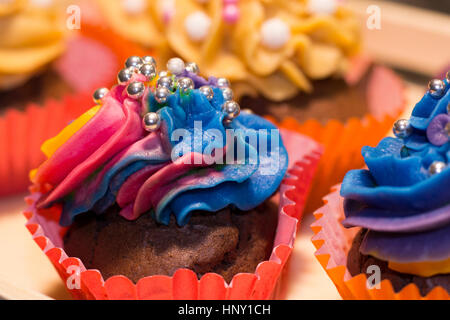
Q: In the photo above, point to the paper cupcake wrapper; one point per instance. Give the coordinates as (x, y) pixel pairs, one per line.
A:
(342, 142)
(333, 242)
(184, 284)
(23, 132)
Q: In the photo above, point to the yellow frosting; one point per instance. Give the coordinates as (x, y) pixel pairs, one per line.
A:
(423, 269)
(51, 145)
(319, 45)
(30, 37)
(141, 27)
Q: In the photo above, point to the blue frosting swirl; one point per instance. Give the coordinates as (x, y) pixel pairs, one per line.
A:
(397, 199)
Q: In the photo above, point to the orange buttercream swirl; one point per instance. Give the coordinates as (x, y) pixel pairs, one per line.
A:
(276, 47)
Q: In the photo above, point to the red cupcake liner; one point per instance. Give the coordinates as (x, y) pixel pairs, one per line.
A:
(184, 284)
(333, 242)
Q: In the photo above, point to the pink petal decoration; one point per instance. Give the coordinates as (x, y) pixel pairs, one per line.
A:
(383, 81)
(87, 64)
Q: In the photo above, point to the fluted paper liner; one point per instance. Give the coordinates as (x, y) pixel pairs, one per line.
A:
(23, 132)
(342, 142)
(333, 242)
(184, 284)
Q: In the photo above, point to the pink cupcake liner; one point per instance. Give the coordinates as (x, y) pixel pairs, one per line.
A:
(184, 284)
(333, 242)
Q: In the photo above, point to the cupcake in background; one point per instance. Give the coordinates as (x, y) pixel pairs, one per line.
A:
(63, 67)
(397, 211)
(149, 195)
(48, 49)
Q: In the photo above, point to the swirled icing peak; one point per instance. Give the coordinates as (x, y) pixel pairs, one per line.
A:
(167, 143)
(403, 199)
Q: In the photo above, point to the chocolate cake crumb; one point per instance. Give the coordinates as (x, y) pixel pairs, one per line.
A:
(226, 242)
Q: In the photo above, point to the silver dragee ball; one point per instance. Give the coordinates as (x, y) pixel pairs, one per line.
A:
(232, 109)
(149, 71)
(151, 121)
(149, 60)
(99, 94)
(436, 167)
(227, 93)
(223, 82)
(436, 88)
(135, 90)
(161, 94)
(402, 128)
(175, 66)
(124, 75)
(207, 91)
(133, 61)
(186, 85)
(163, 73)
(165, 81)
(192, 67)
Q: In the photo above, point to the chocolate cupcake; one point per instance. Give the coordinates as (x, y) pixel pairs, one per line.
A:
(165, 177)
(397, 211)
(402, 202)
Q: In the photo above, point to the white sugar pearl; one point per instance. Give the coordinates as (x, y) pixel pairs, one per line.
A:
(322, 6)
(176, 66)
(275, 33)
(41, 3)
(134, 6)
(197, 25)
